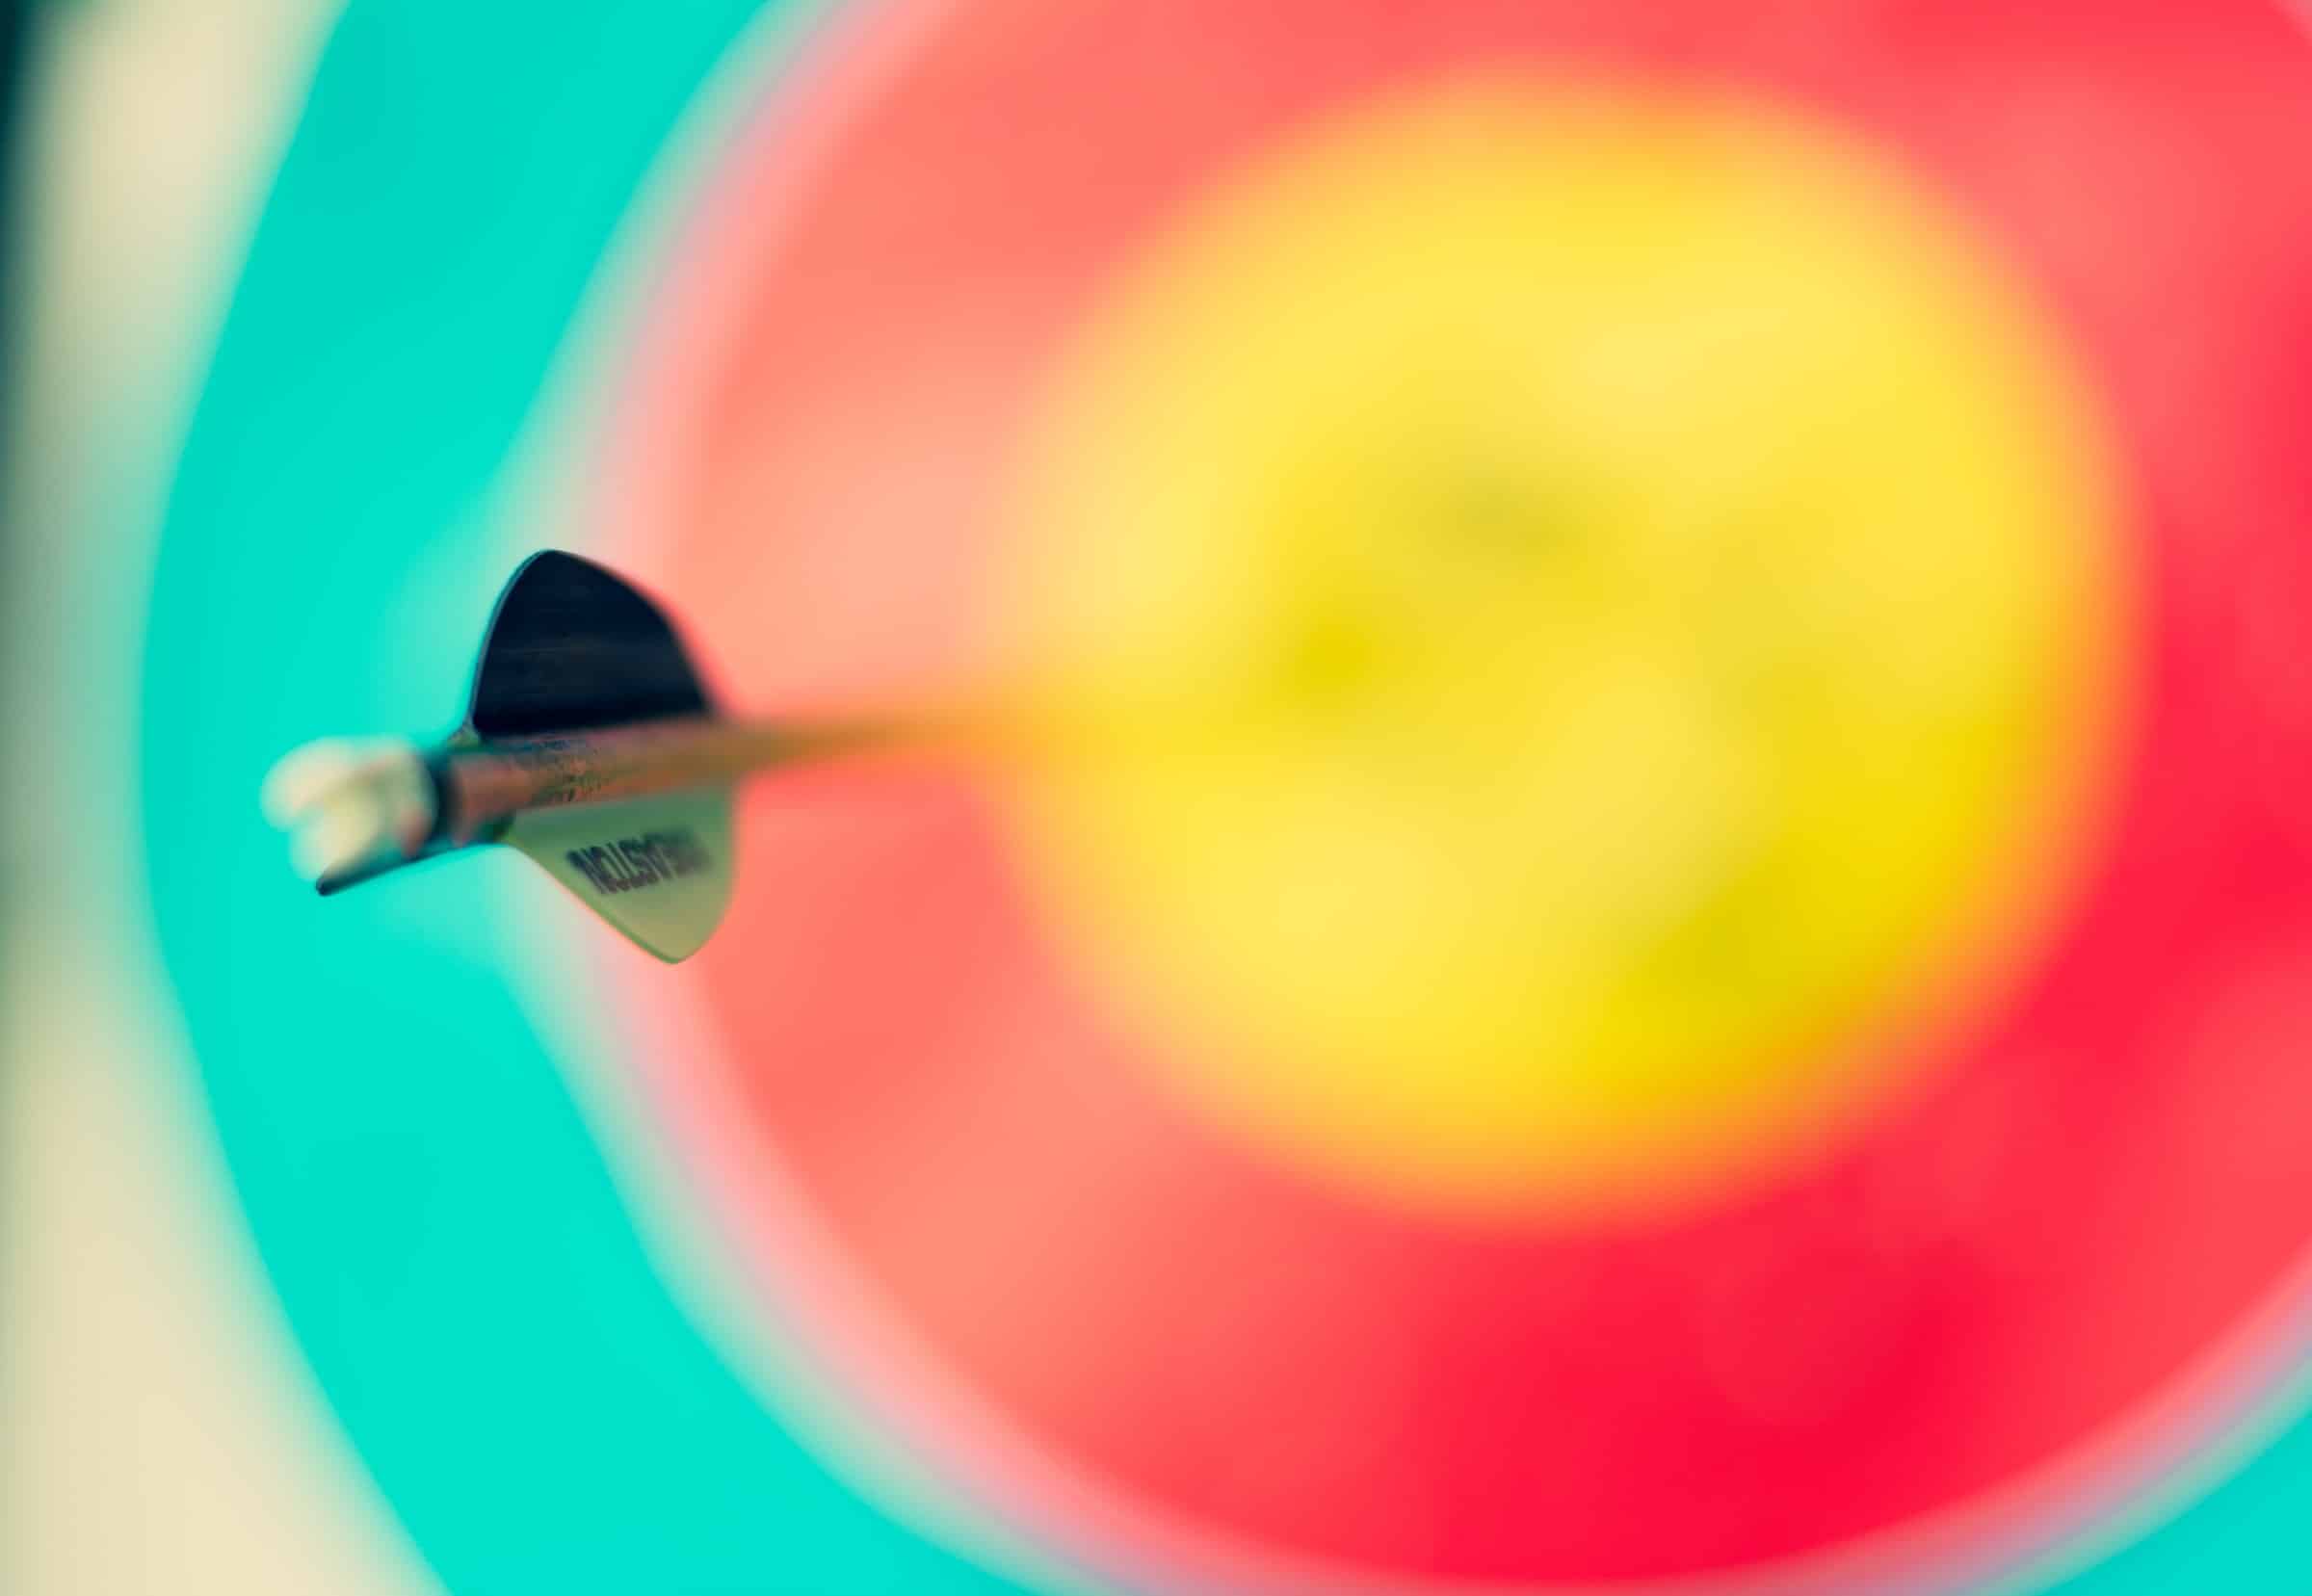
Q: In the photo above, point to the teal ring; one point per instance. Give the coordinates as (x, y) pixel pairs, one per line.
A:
(460, 1273)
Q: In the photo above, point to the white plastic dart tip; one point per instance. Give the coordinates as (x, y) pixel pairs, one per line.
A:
(351, 804)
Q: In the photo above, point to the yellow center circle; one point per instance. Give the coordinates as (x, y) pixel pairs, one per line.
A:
(1559, 626)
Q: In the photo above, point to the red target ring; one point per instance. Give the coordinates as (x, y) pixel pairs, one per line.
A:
(2024, 1287)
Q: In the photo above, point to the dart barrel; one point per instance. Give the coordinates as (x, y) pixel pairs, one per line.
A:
(482, 787)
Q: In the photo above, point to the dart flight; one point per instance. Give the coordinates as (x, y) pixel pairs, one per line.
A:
(589, 745)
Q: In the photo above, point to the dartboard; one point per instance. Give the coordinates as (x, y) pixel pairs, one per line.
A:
(1672, 946)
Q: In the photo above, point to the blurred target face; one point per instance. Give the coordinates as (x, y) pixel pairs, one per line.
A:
(1582, 949)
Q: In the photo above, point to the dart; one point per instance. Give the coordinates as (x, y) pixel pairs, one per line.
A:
(589, 746)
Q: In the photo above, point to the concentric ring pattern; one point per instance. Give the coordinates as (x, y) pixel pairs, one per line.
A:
(1655, 924)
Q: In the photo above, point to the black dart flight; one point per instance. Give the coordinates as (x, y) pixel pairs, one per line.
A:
(589, 745)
